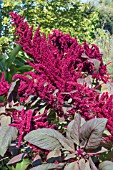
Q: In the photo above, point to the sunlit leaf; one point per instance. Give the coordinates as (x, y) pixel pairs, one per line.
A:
(106, 132)
(82, 164)
(48, 139)
(87, 165)
(2, 110)
(12, 94)
(110, 87)
(5, 120)
(16, 158)
(70, 156)
(43, 138)
(53, 155)
(7, 134)
(72, 166)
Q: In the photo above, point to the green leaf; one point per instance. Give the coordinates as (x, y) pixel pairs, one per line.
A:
(106, 165)
(12, 56)
(24, 68)
(91, 133)
(52, 117)
(48, 166)
(48, 139)
(2, 98)
(42, 110)
(23, 165)
(7, 134)
(2, 66)
(8, 76)
(106, 155)
(106, 132)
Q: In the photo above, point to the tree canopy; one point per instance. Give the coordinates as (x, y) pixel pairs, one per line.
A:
(68, 16)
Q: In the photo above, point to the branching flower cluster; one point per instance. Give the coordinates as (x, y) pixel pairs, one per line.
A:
(64, 79)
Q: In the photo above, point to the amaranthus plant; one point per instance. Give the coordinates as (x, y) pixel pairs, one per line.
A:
(66, 79)
(75, 151)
